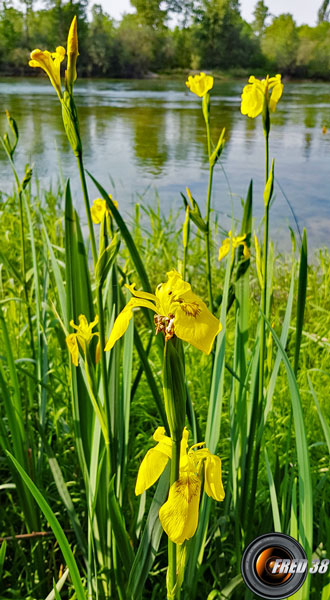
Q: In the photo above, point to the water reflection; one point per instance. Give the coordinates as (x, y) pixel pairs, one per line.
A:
(151, 134)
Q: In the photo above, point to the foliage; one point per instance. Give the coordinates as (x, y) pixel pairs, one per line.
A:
(260, 13)
(77, 409)
(207, 34)
(280, 43)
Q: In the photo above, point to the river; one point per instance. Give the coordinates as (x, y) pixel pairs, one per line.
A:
(147, 137)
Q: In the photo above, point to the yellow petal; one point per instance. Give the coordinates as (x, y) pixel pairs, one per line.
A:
(179, 514)
(72, 52)
(160, 434)
(213, 481)
(72, 344)
(200, 84)
(252, 100)
(98, 210)
(150, 469)
(246, 251)
(171, 290)
(123, 319)
(98, 352)
(194, 323)
(224, 249)
(238, 240)
(144, 295)
(276, 93)
(164, 442)
(50, 62)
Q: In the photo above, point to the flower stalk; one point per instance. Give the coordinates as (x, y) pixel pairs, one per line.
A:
(201, 85)
(175, 407)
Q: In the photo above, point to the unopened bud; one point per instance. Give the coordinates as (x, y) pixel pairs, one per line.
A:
(72, 52)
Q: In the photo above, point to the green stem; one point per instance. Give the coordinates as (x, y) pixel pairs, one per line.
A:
(264, 290)
(184, 262)
(266, 155)
(208, 237)
(172, 549)
(87, 207)
(99, 303)
(208, 138)
(175, 406)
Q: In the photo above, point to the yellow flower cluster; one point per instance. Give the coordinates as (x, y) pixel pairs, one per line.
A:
(258, 92)
(235, 241)
(179, 514)
(178, 312)
(200, 84)
(50, 62)
(84, 336)
(100, 209)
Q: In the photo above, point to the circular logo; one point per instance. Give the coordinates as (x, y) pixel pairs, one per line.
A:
(274, 566)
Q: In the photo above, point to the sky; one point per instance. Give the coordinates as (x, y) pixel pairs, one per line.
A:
(303, 11)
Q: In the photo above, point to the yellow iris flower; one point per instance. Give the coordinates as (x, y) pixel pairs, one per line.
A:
(84, 336)
(257, 92)
(179, 514)
(50, 62)
(236, 241)
(178, 312)
(200, 84)
(100, 208)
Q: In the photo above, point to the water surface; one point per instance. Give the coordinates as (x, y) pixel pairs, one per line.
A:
(143, 136)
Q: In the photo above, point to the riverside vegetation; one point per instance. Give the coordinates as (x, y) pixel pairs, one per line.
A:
(209, 34)
(208, 341)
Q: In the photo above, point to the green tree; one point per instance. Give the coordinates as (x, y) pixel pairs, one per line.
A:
(280, 43)
(135, 45)
(260, 13)
(12, 32)
(103, 58)
(323, 12)
(225, 40)
(149, 13)
(183, 47)
(313, 57)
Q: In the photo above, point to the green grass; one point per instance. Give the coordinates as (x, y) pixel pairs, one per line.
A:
(46, 440)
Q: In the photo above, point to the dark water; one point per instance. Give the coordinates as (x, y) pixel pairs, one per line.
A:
(143, 136)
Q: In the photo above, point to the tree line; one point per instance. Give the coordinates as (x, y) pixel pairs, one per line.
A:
(208, 34)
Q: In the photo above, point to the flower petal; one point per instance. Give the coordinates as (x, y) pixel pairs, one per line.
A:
(144, 295)
(123, 319)
(179, 514)
(98, 210)
(72, 52)
(224, 249)
(194, 323)
(213, 481)
(252, 100)
(200, 84)
(150, 469)
(173, 288)
(72, 344)
(50, 62)
(276, 93)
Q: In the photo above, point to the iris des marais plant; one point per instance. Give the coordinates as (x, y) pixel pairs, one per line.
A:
(117, 557)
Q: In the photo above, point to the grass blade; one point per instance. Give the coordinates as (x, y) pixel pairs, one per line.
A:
(56, 528)
(301, 300)
(305, 482)
(150, 540)
(136, 258)
(273, 496)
